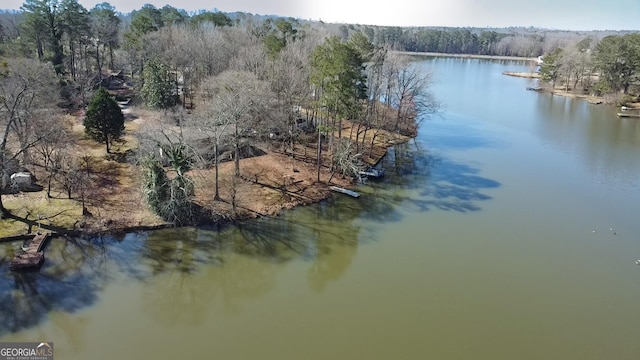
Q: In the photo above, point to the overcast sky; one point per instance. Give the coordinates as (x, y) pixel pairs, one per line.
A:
(554, 14)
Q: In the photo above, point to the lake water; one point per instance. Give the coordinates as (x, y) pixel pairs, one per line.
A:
(508, 230)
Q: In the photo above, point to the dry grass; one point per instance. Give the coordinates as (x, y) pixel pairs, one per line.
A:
(33, 206)
(268, 183)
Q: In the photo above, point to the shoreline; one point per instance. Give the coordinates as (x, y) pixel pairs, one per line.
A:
(468, 56)
(595, 100)
(527, 75)
(319, 192)
(591, 99)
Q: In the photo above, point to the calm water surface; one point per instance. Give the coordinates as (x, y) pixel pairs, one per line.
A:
(489, 239)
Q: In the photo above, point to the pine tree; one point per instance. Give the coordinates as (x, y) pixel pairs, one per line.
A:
(104, 121)
(158, 89)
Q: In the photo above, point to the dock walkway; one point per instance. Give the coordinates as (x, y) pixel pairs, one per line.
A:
(344, 191)
(31, 255)
(629, 115)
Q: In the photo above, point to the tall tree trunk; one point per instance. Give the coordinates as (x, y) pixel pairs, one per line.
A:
(319, 158)
(216, 196)
(49, 185)
(99, 63)
(111, 56)
(39, 48)
(3, 211)
(237, 149)
(72, 59)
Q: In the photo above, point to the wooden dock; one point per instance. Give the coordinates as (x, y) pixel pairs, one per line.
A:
(344, 191)
(31, 255)
(630, 115)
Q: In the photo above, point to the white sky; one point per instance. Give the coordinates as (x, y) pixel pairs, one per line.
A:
(555, 14)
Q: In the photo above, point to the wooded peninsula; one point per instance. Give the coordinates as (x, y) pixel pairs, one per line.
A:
(161, 117)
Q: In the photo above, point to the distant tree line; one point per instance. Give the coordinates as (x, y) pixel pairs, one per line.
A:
(522, 42)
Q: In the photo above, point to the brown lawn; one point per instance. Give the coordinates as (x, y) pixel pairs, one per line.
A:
(113, 198)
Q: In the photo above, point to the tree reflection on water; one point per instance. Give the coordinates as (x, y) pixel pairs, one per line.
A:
(192, 267)
(64, 283)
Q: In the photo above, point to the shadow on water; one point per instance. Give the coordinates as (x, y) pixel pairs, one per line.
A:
(325, 235)
(181, 250)
(455, 187)
(64, 283)
(418, 180)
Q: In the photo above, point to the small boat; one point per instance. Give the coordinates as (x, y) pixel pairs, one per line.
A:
(344, 191)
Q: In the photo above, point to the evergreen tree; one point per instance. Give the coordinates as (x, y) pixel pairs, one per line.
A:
(105, 25)
(158, 89)
(104, 121)
(43, 24)
(75, 24)
(550, 68)
(337, 70)
(216, 18)
(618, 58)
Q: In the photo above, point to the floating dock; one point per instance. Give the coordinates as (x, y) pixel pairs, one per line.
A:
(344, 191)
(631, 115)
(32, 255)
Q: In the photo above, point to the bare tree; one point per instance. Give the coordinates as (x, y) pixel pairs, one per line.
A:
(375, 88)
(290, 83)
(346, 159)
(52, 149)
(74, 177)
(212, 51)
(210, 119)
(410, 96)
(26, 90)
(240, 99)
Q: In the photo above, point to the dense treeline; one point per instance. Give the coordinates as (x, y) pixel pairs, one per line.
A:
(522, 42)
(609, 66)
